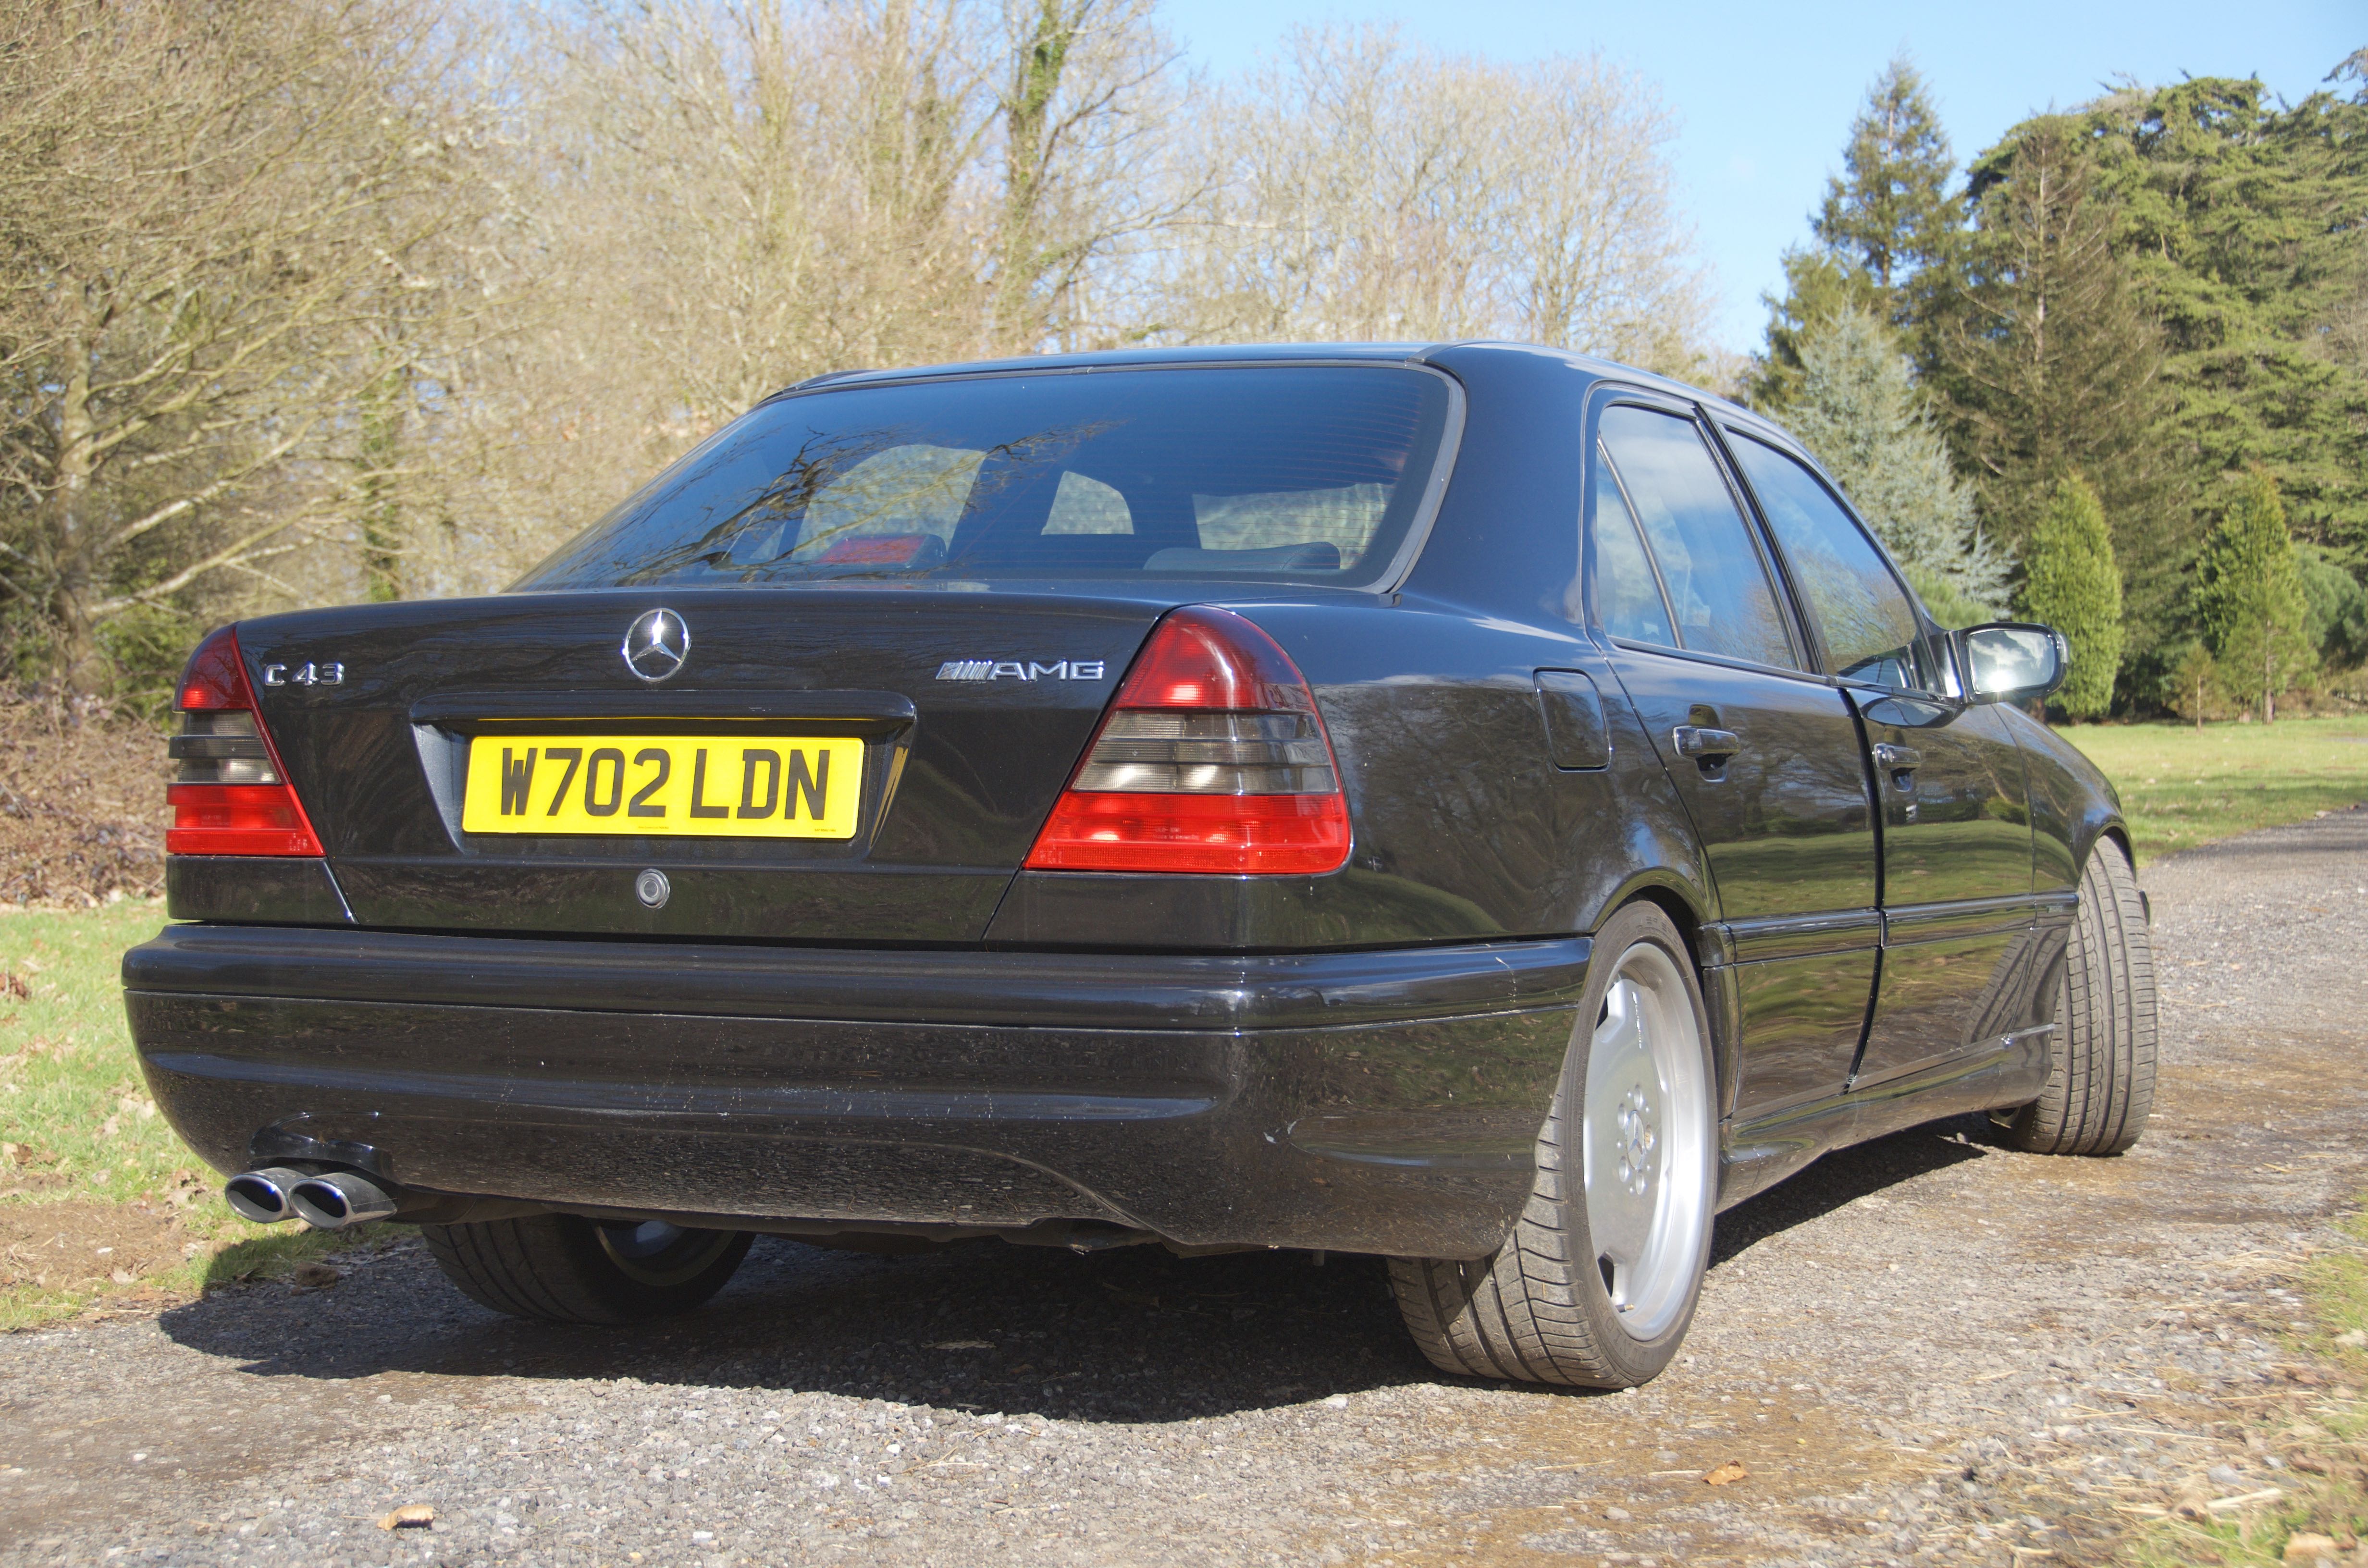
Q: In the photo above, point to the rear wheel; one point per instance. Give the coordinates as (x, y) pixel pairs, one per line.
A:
(1598, 1284)
(2102, 1055)
(566, 1269)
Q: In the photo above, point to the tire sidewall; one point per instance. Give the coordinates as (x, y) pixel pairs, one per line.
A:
(1638, 1360)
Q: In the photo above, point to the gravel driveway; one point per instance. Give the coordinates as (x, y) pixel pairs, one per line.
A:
(1924, 1349)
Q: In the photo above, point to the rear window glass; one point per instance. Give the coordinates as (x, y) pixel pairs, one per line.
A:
(1304, 473)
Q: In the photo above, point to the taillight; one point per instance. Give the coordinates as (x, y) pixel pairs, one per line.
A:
(231, 795)
(1212, 758)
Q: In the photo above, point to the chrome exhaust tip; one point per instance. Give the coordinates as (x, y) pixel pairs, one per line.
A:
(339, 1198)
(262, 1195)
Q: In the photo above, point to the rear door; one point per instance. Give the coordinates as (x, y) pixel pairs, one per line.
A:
(1764, 751)
(1956, 833)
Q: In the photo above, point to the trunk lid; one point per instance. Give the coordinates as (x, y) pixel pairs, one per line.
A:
(961, 713)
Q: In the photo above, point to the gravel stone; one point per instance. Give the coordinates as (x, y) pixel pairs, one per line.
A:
(1927, 1349)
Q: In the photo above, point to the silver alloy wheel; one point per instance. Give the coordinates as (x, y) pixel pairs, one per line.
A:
(1646, 1133)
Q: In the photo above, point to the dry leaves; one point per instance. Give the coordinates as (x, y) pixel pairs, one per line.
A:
(185, 1187)
(410, 1516)
(1727, 1474)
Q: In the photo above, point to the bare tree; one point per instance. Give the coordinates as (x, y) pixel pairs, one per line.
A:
(1378, 189)
(722, 197)
(203, 207)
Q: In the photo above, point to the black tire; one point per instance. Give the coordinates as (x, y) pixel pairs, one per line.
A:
(565, 1269)
(1540, 1309)
(2102, 1055)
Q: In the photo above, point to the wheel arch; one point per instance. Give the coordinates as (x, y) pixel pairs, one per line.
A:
(1681, 901)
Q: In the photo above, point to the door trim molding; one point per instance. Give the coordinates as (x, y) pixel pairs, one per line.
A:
(1822, 935)
(1912, 924)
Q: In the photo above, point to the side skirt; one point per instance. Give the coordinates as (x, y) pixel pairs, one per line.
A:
(1760, 1154)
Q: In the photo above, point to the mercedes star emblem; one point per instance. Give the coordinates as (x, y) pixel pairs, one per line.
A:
(656, 645)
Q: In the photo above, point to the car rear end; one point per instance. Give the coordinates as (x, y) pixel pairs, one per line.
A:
(942, 805)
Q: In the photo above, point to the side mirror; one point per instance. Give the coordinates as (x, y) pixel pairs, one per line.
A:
(2014, 662)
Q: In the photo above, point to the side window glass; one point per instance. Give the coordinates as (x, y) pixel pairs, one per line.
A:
(1626, 596)
(1718, 588)
(1868, 622)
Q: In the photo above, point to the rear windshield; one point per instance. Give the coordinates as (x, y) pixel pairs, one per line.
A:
(1306, 473)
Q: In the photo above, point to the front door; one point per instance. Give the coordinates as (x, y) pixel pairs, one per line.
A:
(1764, 752)
(1956, 833)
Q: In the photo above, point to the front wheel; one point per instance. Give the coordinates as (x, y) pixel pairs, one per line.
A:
(565, 1269)
(2102, 1054)
(1598, 1284)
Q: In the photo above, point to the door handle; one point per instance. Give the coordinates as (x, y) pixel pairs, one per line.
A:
(1900, 762)
(1691, 740)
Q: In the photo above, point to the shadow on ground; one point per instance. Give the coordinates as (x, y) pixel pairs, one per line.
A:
(1131, 1336)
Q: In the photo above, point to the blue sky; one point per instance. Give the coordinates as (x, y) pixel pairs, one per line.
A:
(1764, 94)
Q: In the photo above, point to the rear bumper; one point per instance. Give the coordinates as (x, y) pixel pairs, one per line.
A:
(1382, 1102)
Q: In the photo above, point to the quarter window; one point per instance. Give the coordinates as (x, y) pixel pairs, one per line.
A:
(1717, 585)
(1867, 620)
(1626, 596)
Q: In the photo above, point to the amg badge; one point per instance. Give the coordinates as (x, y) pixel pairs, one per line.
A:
(1014, 669)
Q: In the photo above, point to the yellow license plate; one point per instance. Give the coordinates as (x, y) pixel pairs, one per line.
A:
(686, 786)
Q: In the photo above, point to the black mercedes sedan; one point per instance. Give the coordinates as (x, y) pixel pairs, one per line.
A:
(1472, 805)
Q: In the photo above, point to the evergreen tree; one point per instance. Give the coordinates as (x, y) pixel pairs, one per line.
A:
(1889, 215)
(1857, 411)
(2249, 595)
(1886, 222)
(2239, 217)
(2338, 609)
(2048, 367)
(2071, 584)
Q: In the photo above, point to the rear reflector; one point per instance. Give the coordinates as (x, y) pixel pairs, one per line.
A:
(231, 795)
(1212, 758)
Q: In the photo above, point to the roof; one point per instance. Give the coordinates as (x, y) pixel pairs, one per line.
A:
(1238, 353)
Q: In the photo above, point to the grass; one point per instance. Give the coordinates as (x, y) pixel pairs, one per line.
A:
(2323, 1438)
(86, 1160)
(2181, 787)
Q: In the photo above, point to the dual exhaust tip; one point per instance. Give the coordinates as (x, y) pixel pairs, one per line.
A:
(330, 1200)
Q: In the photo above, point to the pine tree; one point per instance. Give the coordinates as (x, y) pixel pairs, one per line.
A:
(1857, 411)
(2249, 597)
(1885, 223)
(2239, 221)
(1889, 215)
(2071, 584)
(2048, 367)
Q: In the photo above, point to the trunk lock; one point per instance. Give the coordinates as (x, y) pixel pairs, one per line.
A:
(653, 888)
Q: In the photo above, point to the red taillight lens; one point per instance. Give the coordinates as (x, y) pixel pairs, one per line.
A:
(1212, 758)
(231, 797)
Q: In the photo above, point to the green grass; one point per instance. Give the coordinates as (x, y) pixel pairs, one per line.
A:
(79, 1136)
(2181, 787)
(71, 1097)
(2322, 1436)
